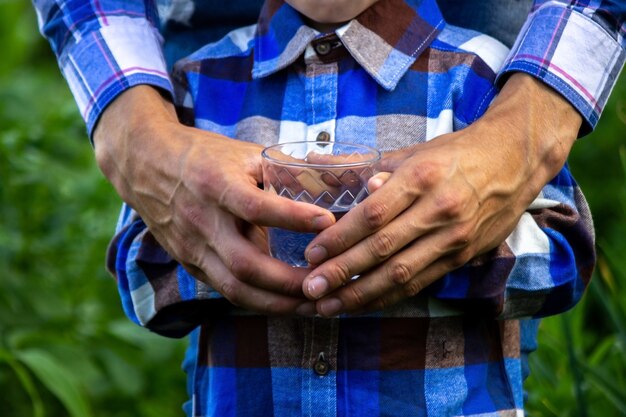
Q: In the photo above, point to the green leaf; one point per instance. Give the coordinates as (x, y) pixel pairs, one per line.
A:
(601, 351)
(56, 378)
(125, 376)
(607, 387)
(613, 311)
(26, 381)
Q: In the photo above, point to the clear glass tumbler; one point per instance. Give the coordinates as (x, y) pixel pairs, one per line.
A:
(332, 175)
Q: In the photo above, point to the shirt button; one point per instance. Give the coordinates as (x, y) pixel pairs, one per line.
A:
(323, 48)
(321, 367)
(323, 137)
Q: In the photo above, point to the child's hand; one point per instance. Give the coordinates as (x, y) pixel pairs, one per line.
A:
(377, 181)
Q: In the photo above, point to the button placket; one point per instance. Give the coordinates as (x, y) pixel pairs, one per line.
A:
(319, 379)
(321, 100)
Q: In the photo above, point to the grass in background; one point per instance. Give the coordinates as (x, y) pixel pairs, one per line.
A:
(65, 346)
(580, 366)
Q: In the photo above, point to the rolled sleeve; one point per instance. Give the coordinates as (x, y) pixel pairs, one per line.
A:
(109, 61)
(573, 53)
(104, 48)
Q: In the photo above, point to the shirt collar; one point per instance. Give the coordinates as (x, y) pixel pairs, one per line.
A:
(385, 39)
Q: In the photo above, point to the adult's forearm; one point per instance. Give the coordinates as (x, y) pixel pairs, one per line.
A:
(541, 132)
(138, 115)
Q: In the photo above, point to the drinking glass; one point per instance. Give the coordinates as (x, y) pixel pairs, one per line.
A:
(332, 175)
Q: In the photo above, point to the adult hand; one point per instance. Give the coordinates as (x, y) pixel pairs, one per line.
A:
(197, 192)
(444, 202)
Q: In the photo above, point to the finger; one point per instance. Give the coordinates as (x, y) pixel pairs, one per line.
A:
(367, 217)
(408, 272)
(423, 279)
(249, 264)
(247, 296)
(377, 181)
(352, 158)
(365, 255)
(230, 179)
(296, 178)
(268, 209)
(236, 267)
(193, 236)
(258, 236)
(348, 171)
(391, 160)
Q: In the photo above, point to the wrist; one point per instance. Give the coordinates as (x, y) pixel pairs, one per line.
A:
(128, 132)
(538, 128)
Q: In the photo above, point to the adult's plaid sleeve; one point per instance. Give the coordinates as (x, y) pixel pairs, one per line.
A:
(103, 48)
(576, 47)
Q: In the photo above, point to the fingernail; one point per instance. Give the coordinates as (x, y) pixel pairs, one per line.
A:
(330, 307)
(306, 309)
(317, 287)
(322, 222)
(316, 255)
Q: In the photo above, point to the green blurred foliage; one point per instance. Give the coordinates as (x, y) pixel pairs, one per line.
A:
(65, 346)
(580, 366)
(66, 349)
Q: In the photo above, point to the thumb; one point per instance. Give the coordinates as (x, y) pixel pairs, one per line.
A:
(377, 181)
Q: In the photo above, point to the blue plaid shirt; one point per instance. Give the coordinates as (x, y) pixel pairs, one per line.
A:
(392, 77)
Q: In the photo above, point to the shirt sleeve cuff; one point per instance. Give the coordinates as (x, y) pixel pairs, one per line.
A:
(104, 63)
(157, 292)
(573, 54)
